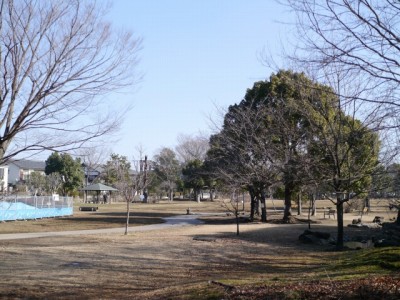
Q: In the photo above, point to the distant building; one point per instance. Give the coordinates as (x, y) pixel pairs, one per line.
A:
(20, 170)
(3, 179)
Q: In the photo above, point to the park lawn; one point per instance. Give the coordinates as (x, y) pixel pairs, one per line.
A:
(266, 261)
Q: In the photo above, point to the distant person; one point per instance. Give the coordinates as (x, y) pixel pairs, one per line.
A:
(105, 198)
(367, 204)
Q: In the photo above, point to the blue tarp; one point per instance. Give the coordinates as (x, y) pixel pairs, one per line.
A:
(21, 211)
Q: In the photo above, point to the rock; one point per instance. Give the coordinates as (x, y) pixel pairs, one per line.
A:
(367, 226)
(378, 220)
(389, 236)
(358, 245)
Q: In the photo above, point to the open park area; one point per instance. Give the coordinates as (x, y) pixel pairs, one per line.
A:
(203, 261)
(113, 116)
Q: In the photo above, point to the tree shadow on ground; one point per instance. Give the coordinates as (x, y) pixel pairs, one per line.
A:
(139, 218)
(277, 233)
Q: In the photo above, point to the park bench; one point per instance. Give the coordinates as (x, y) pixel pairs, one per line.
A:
(329, 212)
(88, 208)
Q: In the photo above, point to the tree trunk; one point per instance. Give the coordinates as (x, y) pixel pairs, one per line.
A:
(197, 195)
(127, 216)
(237, 222)
(340, 232)
(3, 148)
(263, 208)
(288, 202)
(252, 204)
(313, 206)
(299, 204)
(309, 215)
(257, 206)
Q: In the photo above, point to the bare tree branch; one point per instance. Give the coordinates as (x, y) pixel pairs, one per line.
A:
(192, 147)
(57, 61)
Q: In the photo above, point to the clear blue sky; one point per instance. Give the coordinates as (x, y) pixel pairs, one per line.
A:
(196, 55)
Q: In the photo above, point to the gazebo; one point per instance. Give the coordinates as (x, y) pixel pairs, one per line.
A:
(98, 187)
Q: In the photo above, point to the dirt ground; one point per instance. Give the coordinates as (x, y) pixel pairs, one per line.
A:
(159, 264)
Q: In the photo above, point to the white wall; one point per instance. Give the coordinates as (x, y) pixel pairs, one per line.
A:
(13, 174)
(3, 178)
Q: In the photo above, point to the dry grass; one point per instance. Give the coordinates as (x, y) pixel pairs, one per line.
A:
(163, 264)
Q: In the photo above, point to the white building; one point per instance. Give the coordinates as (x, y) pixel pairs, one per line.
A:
(20, 170)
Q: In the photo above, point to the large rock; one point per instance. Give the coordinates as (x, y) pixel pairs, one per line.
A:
(365, 225)
(358, 245)
(378, 220)
(389, 236)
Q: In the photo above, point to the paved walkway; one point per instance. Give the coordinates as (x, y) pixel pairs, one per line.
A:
(176, 221)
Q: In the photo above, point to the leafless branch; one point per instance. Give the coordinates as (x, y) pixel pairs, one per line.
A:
(58, 61)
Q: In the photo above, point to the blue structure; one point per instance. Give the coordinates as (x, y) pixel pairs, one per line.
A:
(27, 208)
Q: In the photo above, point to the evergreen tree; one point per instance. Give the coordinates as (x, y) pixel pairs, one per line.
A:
(69, 169)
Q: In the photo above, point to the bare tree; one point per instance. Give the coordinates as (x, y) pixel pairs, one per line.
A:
(54, 182)
(360, 35)
(192, 147)
(239, 156)
(344, 149)
(93, 156)
(233, 206)
(58, 59)
(131, 178)
(360, 40)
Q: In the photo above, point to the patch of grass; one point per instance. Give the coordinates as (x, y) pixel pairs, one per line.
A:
(205, 292)
(200, 291)
(362, 263)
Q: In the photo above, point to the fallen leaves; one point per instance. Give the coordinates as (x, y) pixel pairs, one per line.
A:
(383, 287)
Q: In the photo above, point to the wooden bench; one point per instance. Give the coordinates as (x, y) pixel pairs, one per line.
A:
(88, 208)
(329, 212)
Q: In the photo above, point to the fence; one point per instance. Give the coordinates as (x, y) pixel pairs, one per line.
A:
(34, 207)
